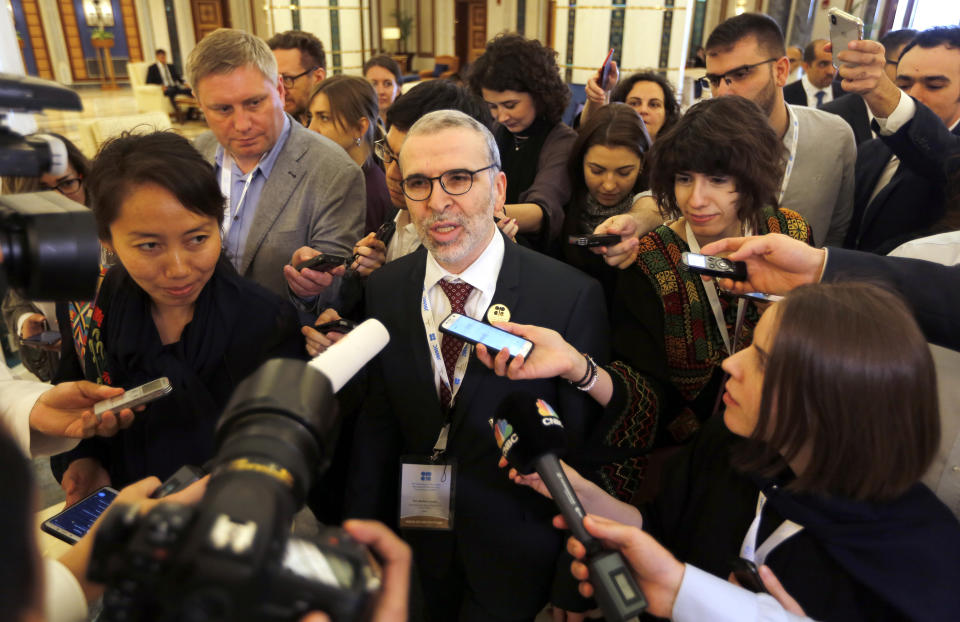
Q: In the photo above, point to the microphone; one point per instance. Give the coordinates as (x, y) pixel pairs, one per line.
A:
(522, 416)
(344, 358)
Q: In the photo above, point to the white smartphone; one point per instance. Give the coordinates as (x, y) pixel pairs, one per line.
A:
(761, 297)
(73, 523)
(495, 339)
(844, 28)
(134, 397)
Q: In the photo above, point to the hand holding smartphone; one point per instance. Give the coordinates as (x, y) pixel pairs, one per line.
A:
(324, 262)
(493, 338)
(594, 240)
(73, 523)
(605, 70)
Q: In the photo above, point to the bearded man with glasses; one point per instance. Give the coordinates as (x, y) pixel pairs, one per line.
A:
(427, 396)
(746, 57)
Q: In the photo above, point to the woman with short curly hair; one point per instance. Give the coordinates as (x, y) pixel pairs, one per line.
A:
(520, 81)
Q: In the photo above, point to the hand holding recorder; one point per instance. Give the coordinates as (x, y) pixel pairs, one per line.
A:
(776, 263)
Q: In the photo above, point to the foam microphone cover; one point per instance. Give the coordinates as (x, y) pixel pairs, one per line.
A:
(527, 428)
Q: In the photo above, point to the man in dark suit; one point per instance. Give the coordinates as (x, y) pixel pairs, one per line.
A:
(816, 87)
(851, 106)
(901, 176)
(169, 78)
(501, 559)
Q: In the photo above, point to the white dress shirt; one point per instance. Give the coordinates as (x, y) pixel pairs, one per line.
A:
(405, 240)
(812, 91)
(481, 274)
(703, 596)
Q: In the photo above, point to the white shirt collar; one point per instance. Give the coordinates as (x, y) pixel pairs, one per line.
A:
(482, 273)
(812, 91)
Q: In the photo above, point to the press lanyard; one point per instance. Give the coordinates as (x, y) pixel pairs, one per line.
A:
(226, 186)
(758, 556)
(791, 157)
(433, 342)
(711, 288)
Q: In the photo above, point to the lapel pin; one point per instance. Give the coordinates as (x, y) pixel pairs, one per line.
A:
(498, 313)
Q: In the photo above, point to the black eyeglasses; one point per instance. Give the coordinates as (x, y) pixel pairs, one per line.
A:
(289, 80)
(65, 186)
(383, 151)
(712, 80)
(455, 182)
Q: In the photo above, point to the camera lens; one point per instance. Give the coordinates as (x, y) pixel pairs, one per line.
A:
(833, 19)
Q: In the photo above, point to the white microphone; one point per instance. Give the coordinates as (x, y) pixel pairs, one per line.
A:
(346, 357)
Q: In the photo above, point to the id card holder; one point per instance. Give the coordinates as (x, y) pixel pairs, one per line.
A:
(427, 491)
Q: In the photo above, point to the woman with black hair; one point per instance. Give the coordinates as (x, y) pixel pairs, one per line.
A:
(647, 92)
(172, 307)
(519, 80)
(715, 175)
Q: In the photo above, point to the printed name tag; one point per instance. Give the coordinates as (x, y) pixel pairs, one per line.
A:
(426, 494)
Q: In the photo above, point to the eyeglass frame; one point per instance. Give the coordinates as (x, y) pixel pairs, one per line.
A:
(439, 178)
(381, 149)
(60, 184)
(293, 79)
(725, 76)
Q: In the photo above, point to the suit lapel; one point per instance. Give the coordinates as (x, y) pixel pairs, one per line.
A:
(415, 340)
(507, 293)
(284, 178)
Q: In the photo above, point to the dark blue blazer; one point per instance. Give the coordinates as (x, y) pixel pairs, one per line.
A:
(502, 539)
(794, 94)
(853, 110)
(914, 200)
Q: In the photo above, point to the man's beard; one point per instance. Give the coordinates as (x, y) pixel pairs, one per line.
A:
(767, 98)
(475, 232)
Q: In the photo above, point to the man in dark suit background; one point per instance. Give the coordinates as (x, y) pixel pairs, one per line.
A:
(901, 176)
(851, 106)
(169, 78)
(501, 560)
(816, 87)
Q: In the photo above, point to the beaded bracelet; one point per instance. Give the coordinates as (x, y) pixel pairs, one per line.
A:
(590, 379)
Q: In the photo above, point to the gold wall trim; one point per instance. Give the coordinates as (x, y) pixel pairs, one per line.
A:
(608, 7)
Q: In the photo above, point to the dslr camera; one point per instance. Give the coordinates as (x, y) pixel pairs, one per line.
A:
(49, 243)
(232, 557)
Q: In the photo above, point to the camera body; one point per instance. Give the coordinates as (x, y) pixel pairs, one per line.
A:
(232, 557)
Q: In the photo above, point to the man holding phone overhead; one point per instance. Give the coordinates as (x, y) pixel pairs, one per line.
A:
(901, 176)
(427, 410)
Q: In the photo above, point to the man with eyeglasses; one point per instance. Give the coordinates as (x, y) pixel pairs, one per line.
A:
(302, 64)
(290, 193)
(429, 403)
(746, 57)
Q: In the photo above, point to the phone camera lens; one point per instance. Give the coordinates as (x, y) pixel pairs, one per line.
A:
(833, 19)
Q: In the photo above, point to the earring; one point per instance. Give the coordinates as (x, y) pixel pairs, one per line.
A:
(357, 141)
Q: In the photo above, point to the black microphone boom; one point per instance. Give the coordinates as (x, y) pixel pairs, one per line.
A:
(530, 436)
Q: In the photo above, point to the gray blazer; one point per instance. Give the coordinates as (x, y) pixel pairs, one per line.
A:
(315, 196)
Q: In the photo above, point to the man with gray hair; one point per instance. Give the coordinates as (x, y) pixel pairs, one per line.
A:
(484, 548)
(291, 194)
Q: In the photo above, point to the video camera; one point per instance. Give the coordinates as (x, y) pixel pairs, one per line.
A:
(48, 243)
(232, 557)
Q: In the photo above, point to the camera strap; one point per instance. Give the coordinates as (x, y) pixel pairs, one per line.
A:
(711, 289)
(786, 530)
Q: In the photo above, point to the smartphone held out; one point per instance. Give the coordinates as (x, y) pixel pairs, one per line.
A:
(493, 338)
(844, 28)
(73, 523)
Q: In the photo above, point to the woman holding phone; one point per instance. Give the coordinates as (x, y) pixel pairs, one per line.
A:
(715, 174)
(813, 469)
(172, 307)
(519, 80)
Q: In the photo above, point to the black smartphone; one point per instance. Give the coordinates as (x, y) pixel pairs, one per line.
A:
(747, 576)
(324, 262)
(386, 231)
(594, 239)
(495, 339)
(336, 326)
(710, 265)
(73, 523)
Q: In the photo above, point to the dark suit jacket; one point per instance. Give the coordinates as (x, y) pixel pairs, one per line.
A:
(853, 110)
(794, 94)
(931, 289)
(913, 201)
(154, 77)
(502, 538)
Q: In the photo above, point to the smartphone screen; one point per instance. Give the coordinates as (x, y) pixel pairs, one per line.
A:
(74, 522)
(490, 336)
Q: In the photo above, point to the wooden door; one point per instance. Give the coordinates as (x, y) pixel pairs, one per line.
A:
(470, 30)
(208, 15)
